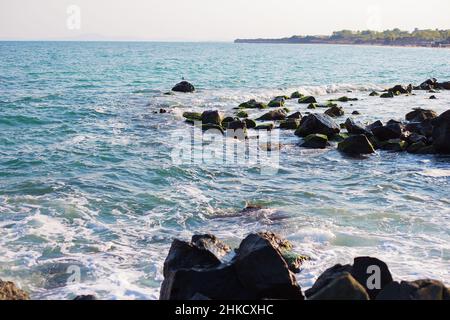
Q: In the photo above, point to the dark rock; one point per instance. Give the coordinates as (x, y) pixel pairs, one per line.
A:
(335, 112)
(400, 89)
(357, 144)
(443, 85)
(242, 114)
(415, 138)
(261, 268)
(295, 115)
(345, 99)
(88, 297)
(364, 272)
(441, 133)
(307, 99)
(387, 132)
(238, 124)
(327, 277)
(296, 95)
(374, 94)
(374, 125)
(428, 84)
(343, 287)
(419, 115)
(356, 128)
(162, 110)
(210, 243)
(278, 114)
(416, 147)
(187, 255)
(212, 117)
(227, 120)
(387, 95)
(312, 106)
(294, 260)
(433, 97)
(250, 124)
(265, 126)
(9, 291)
(317, 123)
(290, 124)
(218, 284)
(396, 145)
(415, 290)
(356, 112)
(252, 104)
(212, 128)
(195, 116)
(184, 86)
(315, 141)
(277, 102)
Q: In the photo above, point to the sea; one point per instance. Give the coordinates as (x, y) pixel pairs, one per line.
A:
(91, 194)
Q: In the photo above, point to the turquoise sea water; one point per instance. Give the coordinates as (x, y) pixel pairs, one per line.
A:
(87, 178)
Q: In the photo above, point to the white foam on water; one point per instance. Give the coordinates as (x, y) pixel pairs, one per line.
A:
(435, 173)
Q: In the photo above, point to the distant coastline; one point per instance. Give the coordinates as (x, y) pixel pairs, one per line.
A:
(395, 37)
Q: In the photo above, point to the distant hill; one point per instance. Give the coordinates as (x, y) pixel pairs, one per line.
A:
(395, 37)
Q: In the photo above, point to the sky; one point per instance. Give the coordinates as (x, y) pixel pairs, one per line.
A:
(210, 20)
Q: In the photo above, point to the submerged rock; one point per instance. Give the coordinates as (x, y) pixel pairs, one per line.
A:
(277, 102)
(194, 116)
(252, 104)
(315, 141)
(296, 95)
(249, 123)
(307, 100)
(419, 115)
(278, 114)
(87, 297)
(374, 94)
(397, 145)
(184, 86)
(335, 111)
(399, 89)
(433, 97)
(387, 95)
(290, 124)
(317, 124)
(357, 144)
(242, 114)
(212, 128)
(9, 291)
(265, 126)
(345, 99)
(212, 117)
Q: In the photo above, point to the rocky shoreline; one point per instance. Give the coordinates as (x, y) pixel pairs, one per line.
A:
(264, 267)
(422, 132)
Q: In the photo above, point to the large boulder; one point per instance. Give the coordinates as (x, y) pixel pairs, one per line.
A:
(372, 273)
(278, 114)
(343, 287)
(419, 115)
(415, 290)
(317, 123)
(327, 277)
(261, 267)
(387, 132)
(356, 128)
(202, 252)
(441, 133)
(219, 283)
(9, 291)
(356, 145)
(212, 117)
(184, 86)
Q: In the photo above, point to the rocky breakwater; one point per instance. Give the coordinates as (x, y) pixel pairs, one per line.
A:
(263, 267)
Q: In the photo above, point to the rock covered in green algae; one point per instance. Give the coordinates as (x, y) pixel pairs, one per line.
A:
(315, 141)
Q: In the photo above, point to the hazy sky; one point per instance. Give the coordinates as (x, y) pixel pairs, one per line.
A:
(209, 20)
